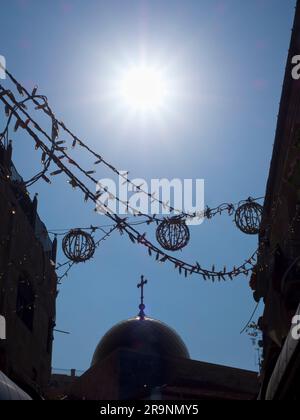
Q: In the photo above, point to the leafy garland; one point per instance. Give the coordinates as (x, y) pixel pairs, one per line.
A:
(57, 154)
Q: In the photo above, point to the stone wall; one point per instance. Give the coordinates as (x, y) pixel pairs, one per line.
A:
(27, 286)
(277, 277)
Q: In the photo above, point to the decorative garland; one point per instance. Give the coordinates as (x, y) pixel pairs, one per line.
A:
(58, 155)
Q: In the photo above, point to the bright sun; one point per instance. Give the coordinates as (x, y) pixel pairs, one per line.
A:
(144, 88)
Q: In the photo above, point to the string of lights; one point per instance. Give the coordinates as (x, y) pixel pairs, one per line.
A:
(97, 243)
(56, 145)
(4, 136)
(207, 213)
(211, 212)
(123, 226)
(66, 272)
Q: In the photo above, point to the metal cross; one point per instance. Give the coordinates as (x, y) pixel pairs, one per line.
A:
(141, 286)
(142, 306)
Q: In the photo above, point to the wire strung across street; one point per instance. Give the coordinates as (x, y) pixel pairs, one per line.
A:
(70, 264)
(57, 154)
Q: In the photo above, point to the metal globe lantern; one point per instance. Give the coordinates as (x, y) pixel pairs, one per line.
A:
(248, 217)
(78, 246)
(173, 234)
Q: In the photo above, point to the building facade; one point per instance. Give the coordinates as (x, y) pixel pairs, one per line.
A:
(28, 283)
(144, 359)
(277, 278)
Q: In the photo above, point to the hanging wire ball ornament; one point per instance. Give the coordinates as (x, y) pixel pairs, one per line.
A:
(173, 234)
(78, 246)
(248, 217)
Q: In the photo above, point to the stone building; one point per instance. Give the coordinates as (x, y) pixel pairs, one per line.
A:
(27, 284)
(277, 277)
(144, 359)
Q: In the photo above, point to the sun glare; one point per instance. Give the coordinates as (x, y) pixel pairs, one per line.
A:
(143, 88)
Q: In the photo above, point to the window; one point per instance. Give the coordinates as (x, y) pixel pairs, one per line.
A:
(51, 326)
(25, 302)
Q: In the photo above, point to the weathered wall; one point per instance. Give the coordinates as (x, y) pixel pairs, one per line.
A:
(277, 279)
(25, 355)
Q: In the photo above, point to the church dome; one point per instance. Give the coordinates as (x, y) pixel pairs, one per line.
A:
(145, 335)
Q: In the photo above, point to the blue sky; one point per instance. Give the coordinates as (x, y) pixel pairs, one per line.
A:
(226, 60)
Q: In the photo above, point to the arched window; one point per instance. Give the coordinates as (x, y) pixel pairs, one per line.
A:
(25, 301)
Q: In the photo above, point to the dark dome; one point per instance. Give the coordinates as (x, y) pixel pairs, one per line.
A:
(146, 336)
